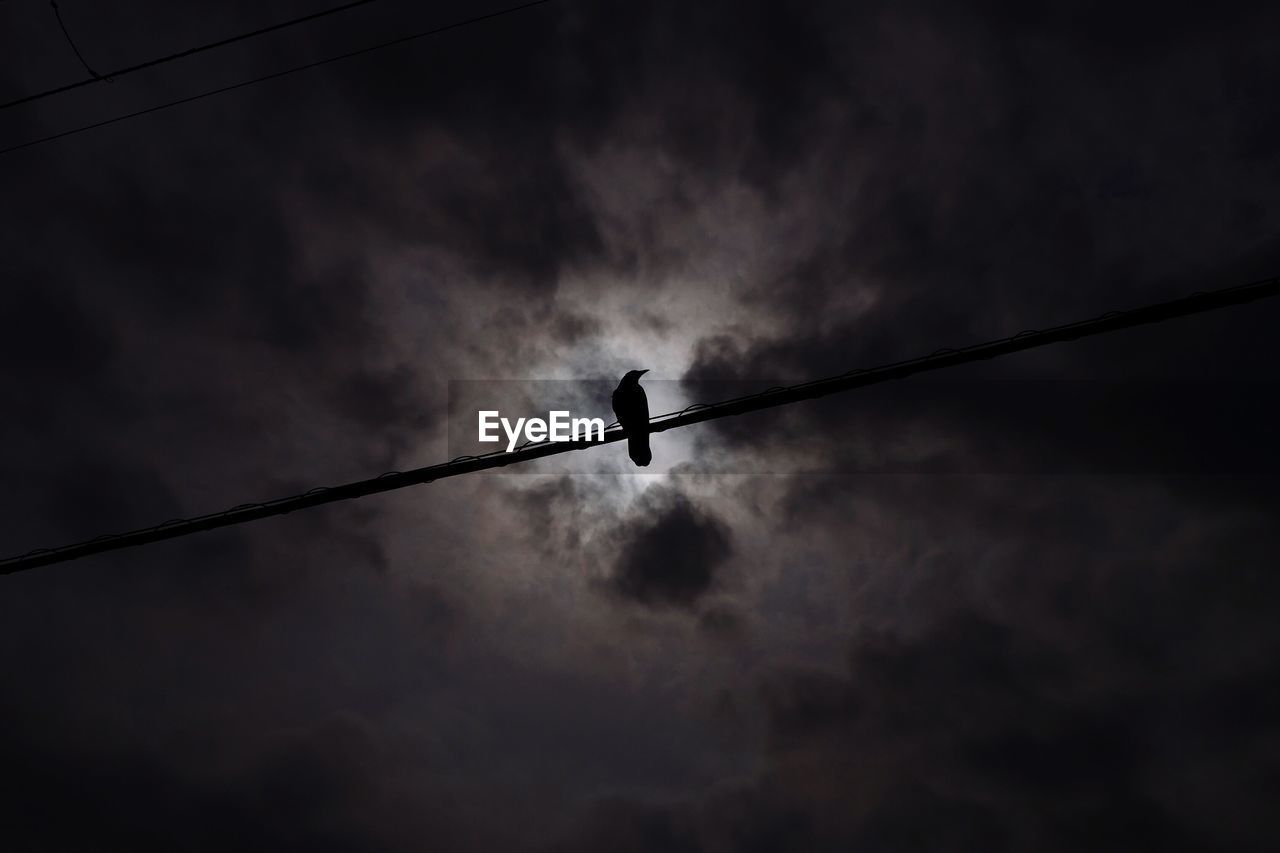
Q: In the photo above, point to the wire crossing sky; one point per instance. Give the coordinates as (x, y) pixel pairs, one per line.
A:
(1111, 321)
(274, 75)
(96, 77)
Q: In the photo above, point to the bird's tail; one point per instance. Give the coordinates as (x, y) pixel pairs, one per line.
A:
(638, 448)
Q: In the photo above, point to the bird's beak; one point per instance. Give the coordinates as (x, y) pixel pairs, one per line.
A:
(643, 372)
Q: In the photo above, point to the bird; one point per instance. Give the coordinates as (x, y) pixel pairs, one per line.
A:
(632, 408)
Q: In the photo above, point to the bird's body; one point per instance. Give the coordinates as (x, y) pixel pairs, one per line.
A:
(631, 407)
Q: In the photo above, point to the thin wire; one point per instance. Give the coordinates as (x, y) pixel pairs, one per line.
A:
(1197, 303)
(152, 63)
(337, 58)
(58, 14)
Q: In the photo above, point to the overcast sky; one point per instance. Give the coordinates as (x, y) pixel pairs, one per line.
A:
(1025, 605)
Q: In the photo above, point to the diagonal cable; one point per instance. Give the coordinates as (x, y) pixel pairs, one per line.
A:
(274, 75)
(1196, 303)
(94, 76)
(161, 60)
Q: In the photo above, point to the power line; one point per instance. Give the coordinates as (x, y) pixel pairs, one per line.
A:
(95, 77)
(697, 413)
(275, 75)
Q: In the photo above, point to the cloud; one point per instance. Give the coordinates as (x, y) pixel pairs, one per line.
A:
(670, 554)
(1028, 620)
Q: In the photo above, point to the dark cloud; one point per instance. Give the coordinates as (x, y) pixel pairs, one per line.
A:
(984, 735)
(1027, 606)
(998, 732)
(307, 793)
(721, 622)
(671, 554)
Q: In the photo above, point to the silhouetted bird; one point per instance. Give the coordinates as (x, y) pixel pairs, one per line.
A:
(632, 408)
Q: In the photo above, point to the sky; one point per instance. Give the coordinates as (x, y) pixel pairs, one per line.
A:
(1028, 604)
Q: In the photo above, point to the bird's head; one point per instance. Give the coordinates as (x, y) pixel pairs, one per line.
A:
(633, 376)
